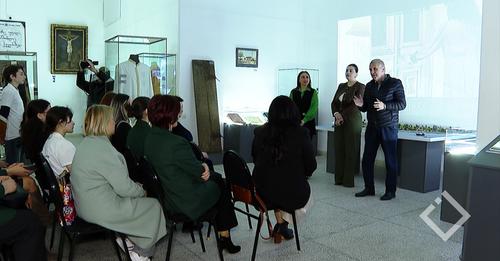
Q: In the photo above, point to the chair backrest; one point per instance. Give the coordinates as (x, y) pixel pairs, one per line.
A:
(197, 151)
(238, 177)
(132, 164)
(54, 192)
(152, 182)
(41, 175)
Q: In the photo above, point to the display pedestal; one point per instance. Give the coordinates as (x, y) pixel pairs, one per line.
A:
(482, 230)
(421, 161)
(456, 183)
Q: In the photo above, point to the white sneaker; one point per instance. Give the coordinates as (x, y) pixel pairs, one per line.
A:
(136, 257)
(130, 245)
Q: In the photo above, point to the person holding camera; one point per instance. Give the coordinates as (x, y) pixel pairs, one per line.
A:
(100, 82)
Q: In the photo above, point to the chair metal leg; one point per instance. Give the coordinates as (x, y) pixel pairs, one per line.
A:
(256, 241)
(192, 236)
(248, 216)
(72, 248)
(61, 245)
(170, 237)
(217, 239)
(296, 231)
(201, 241)
(54, 222)
(209, 230)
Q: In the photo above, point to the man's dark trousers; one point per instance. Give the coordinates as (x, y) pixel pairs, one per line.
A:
(388, 138)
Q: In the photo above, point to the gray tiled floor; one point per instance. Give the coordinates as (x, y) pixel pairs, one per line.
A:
(339, 227)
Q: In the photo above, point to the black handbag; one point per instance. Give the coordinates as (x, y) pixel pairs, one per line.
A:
(16, 200)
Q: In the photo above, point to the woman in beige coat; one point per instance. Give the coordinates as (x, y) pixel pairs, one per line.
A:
(105, 195)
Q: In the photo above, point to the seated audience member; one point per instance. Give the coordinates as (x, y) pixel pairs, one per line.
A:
(136, 136)
(191, 189)
(121, 108)
(283, 157)
(33, 133)
(107, 98)
(20, 229)
(57, 150)
(103, 192)
(180, 130)
(33, 136)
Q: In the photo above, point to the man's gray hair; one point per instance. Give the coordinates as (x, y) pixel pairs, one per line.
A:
(378, 61)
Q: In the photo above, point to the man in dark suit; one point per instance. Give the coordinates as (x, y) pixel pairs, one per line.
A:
(384, 97)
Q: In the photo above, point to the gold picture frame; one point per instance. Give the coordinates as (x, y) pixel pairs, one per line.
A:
(68, 46)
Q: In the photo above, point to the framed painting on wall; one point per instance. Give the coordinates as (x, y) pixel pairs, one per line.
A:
(12, 36)
(68, 46)
(246, 57)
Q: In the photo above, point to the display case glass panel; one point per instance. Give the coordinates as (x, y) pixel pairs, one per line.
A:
(151, 51)
(28, 60)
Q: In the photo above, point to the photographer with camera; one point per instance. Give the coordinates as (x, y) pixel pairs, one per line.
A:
(99, 84)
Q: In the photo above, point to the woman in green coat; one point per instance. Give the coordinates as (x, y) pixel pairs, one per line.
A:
(136, 136)
(190, 188)
(105, 195)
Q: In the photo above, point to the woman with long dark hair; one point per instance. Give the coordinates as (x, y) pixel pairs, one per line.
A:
(306, 99)
(121, 108)
(283, 157)
(57, 150)
(33, 133)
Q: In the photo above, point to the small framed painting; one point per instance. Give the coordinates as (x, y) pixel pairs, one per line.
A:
(246, 57)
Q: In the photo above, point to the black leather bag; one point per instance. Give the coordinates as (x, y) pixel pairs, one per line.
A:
(16, 200)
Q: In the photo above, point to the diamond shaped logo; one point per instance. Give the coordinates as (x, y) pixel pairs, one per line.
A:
(445, 235)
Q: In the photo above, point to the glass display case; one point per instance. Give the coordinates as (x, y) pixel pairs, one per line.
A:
(287, 79)
(28, 60)
(459, 141)
(151, 51)
(162, 71)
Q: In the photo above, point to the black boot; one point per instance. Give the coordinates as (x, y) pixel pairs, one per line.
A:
(281, 231)
(365, 192)
(226, 243)
(388, 196)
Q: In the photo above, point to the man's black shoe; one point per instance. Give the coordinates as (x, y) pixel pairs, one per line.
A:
(364, 193)
(388, 196)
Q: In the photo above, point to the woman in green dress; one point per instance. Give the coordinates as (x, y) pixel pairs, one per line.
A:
(347, 133)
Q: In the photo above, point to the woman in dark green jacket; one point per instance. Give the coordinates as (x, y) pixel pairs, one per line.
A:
(191, 189)
(21, 230)
(136, 136)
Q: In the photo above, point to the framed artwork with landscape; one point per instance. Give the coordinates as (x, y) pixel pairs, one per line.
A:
(247, 57)
(68, 45)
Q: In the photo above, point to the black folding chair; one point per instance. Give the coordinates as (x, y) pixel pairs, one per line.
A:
(79, 227)
(243, 189)
(153, 187)
(41, 177)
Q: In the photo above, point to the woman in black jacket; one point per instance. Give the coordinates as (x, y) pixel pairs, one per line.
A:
(284, 158)
(121, 108)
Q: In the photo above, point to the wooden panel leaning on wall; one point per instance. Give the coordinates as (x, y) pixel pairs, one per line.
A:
(207, 110)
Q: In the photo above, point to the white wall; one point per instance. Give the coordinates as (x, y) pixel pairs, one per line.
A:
(157, 18)
(212, 30)
(38, 16)
(488, 123)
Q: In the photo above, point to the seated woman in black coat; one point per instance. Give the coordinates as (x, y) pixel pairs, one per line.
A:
(283, 156)
(121, 108)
